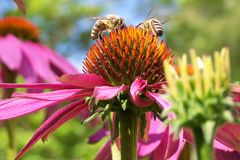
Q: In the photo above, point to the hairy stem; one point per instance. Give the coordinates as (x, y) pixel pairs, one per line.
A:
(128, 134)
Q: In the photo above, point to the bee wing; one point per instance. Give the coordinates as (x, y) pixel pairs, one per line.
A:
(154, 14)
(163, 18)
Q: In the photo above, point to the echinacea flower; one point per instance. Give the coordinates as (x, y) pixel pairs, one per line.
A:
(23, 53)
(201, 101)
(123, 74)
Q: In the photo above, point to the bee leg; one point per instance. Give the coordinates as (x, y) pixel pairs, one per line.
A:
(100, 36)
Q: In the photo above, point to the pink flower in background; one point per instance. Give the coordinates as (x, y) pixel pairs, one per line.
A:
(22, 52)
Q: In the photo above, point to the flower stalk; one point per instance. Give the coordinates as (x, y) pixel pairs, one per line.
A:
(128, 134)
(9, 77)
(204, 151)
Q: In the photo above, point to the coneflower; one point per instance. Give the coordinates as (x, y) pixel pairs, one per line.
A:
(23, 54)
(123, 75)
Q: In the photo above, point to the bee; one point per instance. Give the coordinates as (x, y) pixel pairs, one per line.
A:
(108, 23)
(153, 22)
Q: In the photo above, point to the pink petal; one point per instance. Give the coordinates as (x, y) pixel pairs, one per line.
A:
(37, 86)
(138, 86)
(27, 71)
(175, 147)
(96, 137)
(228, 134)
(39, 61)
(107, 92)
(10, 52)
(19, 107)
(161, 151)
(54, 95)
(54, 122)
(105, 152)
(226, 155)
(169, 148)
(157, 98)
(58, 61)
(83, 80)
(155, 135)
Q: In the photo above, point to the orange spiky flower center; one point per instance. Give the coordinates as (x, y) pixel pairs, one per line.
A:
(127, 54)
(19, 27)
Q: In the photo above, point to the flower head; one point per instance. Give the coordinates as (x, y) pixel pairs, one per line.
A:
(20, 28)
(204, 95)
(127, 54)
(21, 52)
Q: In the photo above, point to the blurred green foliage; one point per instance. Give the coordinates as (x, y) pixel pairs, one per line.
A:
(67, 143)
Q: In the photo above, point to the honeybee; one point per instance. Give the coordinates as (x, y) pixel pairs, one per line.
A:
(154, 21)
(108, 23)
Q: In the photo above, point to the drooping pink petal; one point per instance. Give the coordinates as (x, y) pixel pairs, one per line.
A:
(27, 71)
(223, 152)
(107, 92)
(226, 155)
(169, 148)
(54, 122)
(175, 147)
(96, 137)
(157, 98)
(58, 61)
(37, 86)
(105, 152)
(39, 61)
(83, 80)
(228, 134)
(155, 135)
(161, 151)
(10, 52)
(12, 109)
(138, 86)
(73, 112)
(54, 95)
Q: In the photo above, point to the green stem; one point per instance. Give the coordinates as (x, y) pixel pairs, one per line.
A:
(9, 77)
(204, 151)
(186, 153)
(128, 134)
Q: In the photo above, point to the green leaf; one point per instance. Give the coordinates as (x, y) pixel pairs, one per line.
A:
(124, 105)
(93, 116)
